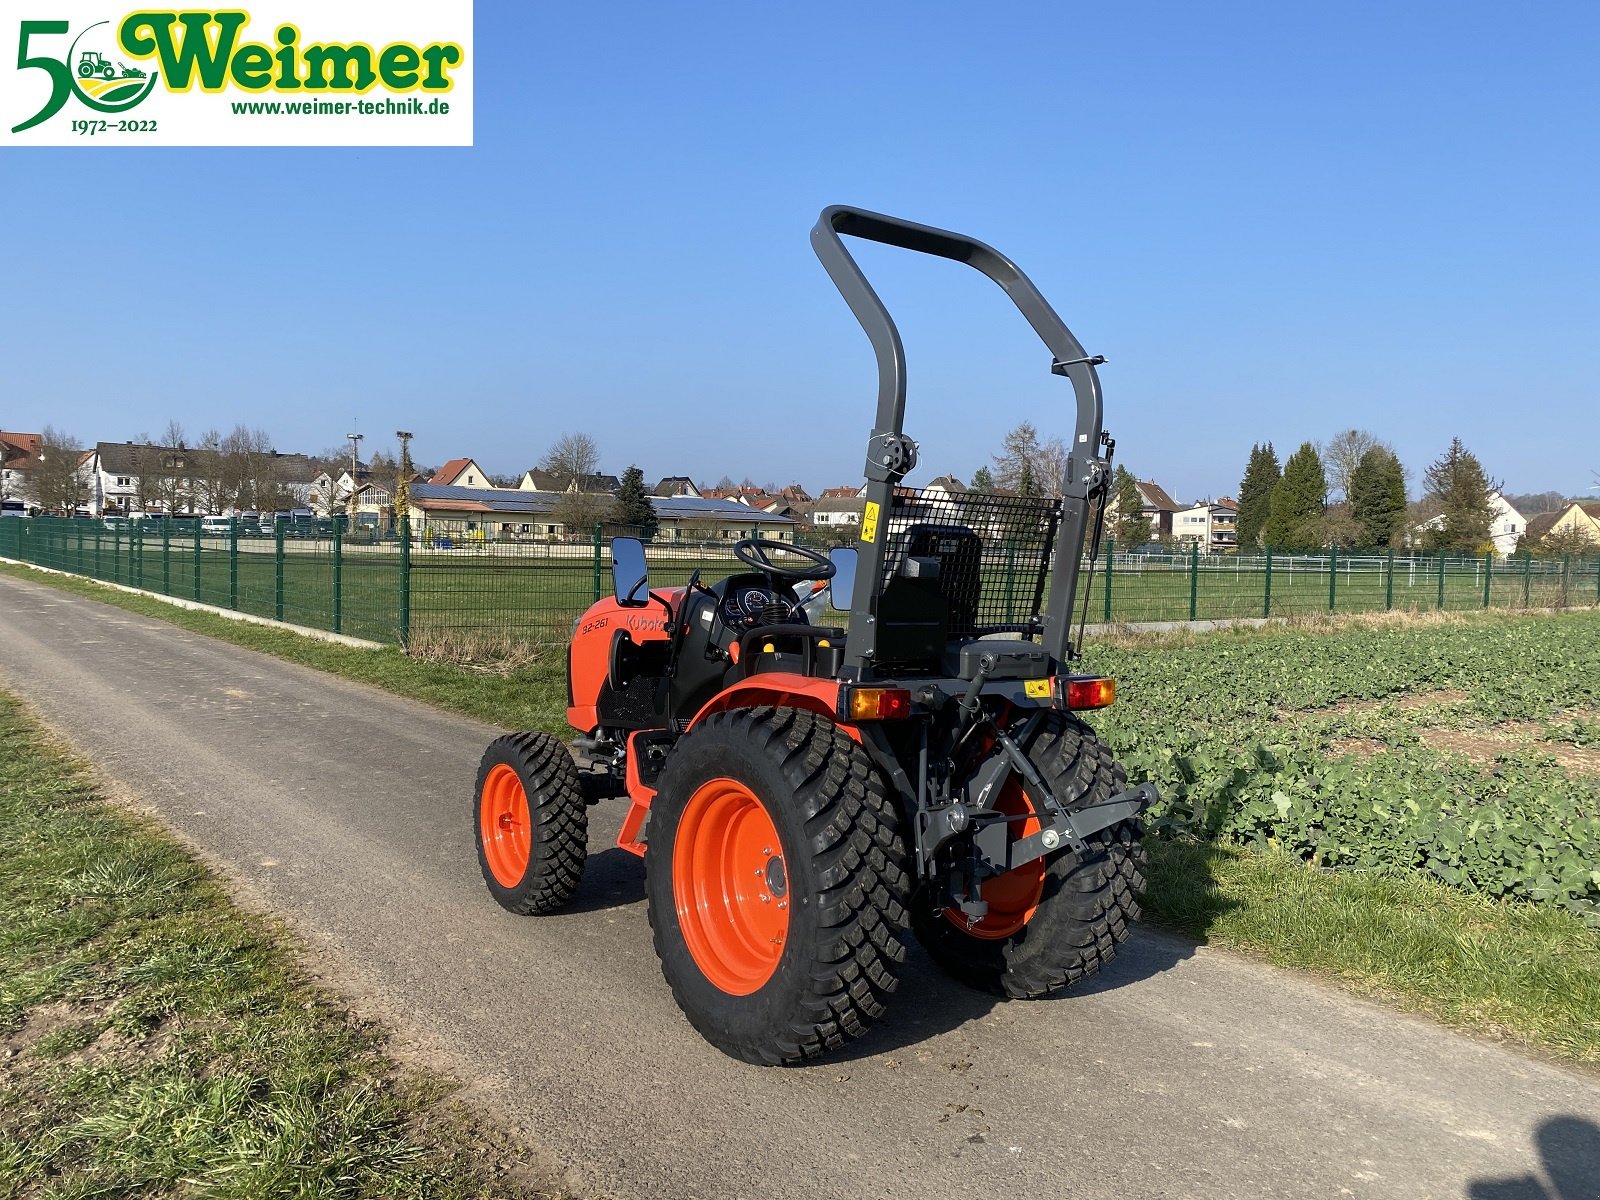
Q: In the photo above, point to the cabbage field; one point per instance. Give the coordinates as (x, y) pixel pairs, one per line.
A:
(1466, 748)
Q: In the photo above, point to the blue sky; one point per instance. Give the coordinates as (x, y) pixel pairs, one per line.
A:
(1277, 221)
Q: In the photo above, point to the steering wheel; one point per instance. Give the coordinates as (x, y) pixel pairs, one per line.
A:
(753, 552)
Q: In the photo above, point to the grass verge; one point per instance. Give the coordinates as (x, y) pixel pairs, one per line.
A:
(154, 1040)
(1503, 970)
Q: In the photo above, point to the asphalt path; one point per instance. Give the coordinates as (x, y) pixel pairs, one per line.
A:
(1183, 1071)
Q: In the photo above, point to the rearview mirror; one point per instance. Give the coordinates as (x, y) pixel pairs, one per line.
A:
(843, 583)
(630, 574)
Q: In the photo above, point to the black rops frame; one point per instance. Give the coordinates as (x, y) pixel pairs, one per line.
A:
(891, 455)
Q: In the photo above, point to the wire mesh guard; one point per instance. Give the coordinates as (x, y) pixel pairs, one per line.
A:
(993, 554)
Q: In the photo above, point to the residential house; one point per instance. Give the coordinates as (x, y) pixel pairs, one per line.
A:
(676, 485)
(461, 472)
(19, 454)
(832, 511)
(1505, 530)
(1210, 524)
(547, 481)
(1579, 517)
(1156, 505)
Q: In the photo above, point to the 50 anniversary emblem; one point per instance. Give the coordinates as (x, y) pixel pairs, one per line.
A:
(227, 77)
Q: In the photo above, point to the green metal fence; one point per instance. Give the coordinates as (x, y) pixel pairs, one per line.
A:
(323, 577)
(452, 583)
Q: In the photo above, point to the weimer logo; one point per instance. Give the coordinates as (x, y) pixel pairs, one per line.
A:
(270, 69)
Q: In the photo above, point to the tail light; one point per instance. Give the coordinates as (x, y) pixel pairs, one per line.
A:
(878, 704)
(1087, 691)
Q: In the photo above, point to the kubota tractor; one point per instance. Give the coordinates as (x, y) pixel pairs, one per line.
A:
(805, 796)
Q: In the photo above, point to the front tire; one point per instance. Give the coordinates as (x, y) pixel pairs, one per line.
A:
(1063, 922)
(777, 884)
(530, 822)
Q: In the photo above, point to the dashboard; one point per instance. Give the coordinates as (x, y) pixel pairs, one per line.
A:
(742, 606)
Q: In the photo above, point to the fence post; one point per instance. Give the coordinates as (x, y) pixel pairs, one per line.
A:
(79, 526)
(98, 529)
(1333, 575)
(197, 560)
(1566, 580)
(338, 573)
(136, 554)
(1194, 582)
(166, 558)
(1266, 593)
(1388, 587)
(1441, 578)
(1488, 568)
(596, 563)
(1111, 545)
(233, 563)
(1527, 579)
(116, 556)
(277, 570)
(405, 579)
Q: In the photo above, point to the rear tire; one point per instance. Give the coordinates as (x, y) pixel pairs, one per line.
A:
(530, 822)
(1086, 904)
(764, 984)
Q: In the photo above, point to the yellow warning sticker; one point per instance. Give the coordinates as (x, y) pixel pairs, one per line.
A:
(869, 523)
(1039, 689)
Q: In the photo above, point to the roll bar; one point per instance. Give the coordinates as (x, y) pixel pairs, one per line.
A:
(839, 221)
(891, 455)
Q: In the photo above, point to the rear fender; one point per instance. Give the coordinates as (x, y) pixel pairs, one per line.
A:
(781, 690)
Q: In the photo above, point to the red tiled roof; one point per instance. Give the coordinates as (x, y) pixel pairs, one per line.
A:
(447, 473)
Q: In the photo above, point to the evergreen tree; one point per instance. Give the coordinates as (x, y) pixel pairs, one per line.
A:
(983, 480)
(1255, 494)
(1457, 486)
(1132, 529)
(1295, 518)
(634, 506)
(1378, 497)
(1026, 484)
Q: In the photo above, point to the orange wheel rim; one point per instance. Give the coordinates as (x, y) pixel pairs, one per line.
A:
(730, 887)
(504, 823)
(1013, 898)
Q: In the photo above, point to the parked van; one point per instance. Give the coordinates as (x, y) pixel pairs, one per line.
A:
(216, 526)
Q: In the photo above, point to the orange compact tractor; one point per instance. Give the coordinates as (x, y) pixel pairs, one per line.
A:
(805, 796)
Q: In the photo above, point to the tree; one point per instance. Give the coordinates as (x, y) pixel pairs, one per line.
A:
(1569, 539)
(170, 466)
(573, 456)
(1261, 476)
(982, 480)
(1043, 462)
(580, 512)
(1531, 504)
(1457, 486)
(1294, 520)
(1132, 529)
(1026, 484)
(1341, 456)
(633, 504)
(209, 483)
(1378, 497)
(56, 483)
(402, 483)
